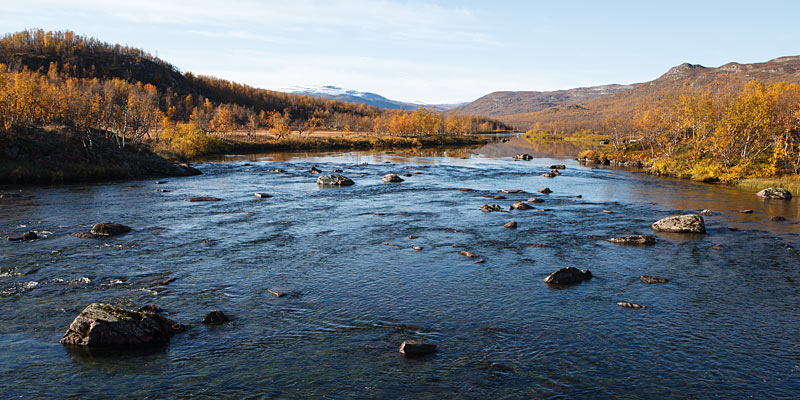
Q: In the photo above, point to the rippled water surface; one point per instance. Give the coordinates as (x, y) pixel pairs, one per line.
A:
(725, 326)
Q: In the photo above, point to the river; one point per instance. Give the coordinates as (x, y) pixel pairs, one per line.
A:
(726, 325)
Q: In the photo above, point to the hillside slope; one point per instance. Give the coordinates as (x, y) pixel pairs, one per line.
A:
(507, 103)
(591, 113)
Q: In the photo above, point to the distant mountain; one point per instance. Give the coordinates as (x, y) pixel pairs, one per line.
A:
(588, 107)
(507, 103)
(354, 96)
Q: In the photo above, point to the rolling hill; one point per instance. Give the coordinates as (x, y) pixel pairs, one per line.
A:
(588, 107)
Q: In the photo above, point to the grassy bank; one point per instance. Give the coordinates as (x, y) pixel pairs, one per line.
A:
(190, 144)
(790, 183)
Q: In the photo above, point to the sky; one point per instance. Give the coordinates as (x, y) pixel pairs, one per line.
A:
(427, 51)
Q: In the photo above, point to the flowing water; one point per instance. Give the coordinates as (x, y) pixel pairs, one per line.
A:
(725, 326)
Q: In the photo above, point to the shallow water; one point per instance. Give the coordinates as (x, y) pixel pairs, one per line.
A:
(725, 326)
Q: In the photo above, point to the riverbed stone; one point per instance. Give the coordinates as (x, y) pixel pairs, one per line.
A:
(625, 304)
(557, 166)
(392, 178)
(30, 236)
(775, 193)
(689, 223)
(104, 325)
(468, 254)
(545, 190)
(512, 191)
(523, 157)
(652, 279)
(636, 240)
(778, 218)
(510, 225)
(262, 195)
(520, 206)
(411, 348)
(216, 317)
(535, 200)
(549, 175)
(314, 170)
(109, 229)
(568, 276)
(334, 180)
(706, 213)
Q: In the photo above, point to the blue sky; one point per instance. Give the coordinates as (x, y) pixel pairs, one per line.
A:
(428, 51)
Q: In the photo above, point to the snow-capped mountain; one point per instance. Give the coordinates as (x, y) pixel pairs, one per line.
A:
(354, 96)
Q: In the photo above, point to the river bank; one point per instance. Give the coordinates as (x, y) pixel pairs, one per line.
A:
(60, 155)
(56, 155)
(677, 169)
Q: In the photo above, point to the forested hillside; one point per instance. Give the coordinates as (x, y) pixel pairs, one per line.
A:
(68, 79)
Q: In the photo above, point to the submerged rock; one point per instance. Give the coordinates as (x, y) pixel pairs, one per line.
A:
(523, 157)
(262, 195)
(104, 325)
(410, 348)
(535, 200)
(496, 197)
(557, 166)
(392, 178)
(30, 236)
(638, 240)
(512, 191)
(216, 317)
(625, 304)
(652, 279)
(706, 213)
(689, 223)
(776, 218)
(745, 211)
(109, 229)
(549, 175)
(510, 225)
(468, 254)
(201, 198)
(314, 170)
(545, 190)
(276, 293)
(334, 180)
(775, 193)
(568, 276)
(85, 235)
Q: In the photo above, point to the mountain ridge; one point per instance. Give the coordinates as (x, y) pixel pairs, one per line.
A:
(354, 96)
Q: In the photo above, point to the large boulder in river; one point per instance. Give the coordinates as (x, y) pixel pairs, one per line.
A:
(109, 229)
(334, 180)
(775, 193)
(690, 223)
(391, 178)
(568, 276)
(103, 325)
